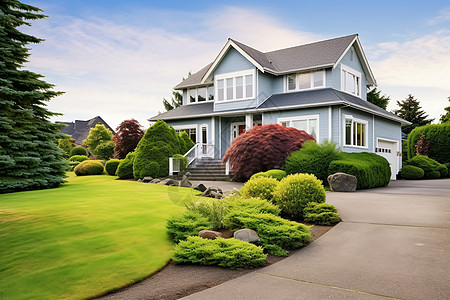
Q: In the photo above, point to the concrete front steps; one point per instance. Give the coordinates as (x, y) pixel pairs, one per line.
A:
(208, 169)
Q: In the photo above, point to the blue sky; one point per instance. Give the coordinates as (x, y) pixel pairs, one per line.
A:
(118, 59)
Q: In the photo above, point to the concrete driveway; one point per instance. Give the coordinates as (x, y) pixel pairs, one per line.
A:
(393, 243)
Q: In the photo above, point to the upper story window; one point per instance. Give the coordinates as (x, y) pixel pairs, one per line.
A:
(305, 81)
(235, 86)
(350, 81)
(310, 124)
(355, 134)
(200, 94)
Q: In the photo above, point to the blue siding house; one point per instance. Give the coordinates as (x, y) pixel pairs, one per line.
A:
(318, 87)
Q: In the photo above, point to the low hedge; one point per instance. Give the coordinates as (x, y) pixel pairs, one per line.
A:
(321, 214)
(439, 137)
(261, 187)
(412, 172)
(89, 167)
(78, 158)
(125, 168)
(111, 166)
(370, 169)
(227, 253)
(274, 173)
(432, 168)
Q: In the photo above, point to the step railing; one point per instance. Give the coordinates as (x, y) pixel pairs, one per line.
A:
(197, 151)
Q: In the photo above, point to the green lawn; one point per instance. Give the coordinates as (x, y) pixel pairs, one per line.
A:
(91, 235)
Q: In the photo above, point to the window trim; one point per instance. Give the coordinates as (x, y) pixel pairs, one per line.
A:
(233, 75)
(188, 126)
(311, 81)
(355, 73)
(366, 131)
(302, 118)
(188, 100)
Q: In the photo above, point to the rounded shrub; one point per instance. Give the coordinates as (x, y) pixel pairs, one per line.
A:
(78, 150)
(274, 173)
(89, 167)
(434, 175)
(412, 172)
(429, 166)
(447, 165)
(111, 166)
(295, 191)
(78, 158)
(125, 168)
(261, 187)
(439, 137)
(321, 214)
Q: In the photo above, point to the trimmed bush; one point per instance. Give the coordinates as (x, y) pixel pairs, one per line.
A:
(412, 172)
(78, 150)
(89, 167)
(78, 158)
(263, 148)
(295, 191)
(125, 168)
(212, 209)
(181, 227)
(429, 166)
(261, 187)
(370, 169)
(187, 142)
(111, 166)
(73, 164)
(227, 253)
(312, 159)
(250, 205)
(274, 173)
(439, 137)
(321, 214)
(99, 142)
(447, 165)
(183, 161)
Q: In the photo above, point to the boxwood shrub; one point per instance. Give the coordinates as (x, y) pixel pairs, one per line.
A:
(262, 187)
(78, 158)
(432, 168)
(189, 224)
(78, 150)
(412, 172)
(227, 253)
(439, 137)
(274, 173)
(294, 192)
(111, 166)
(370, 169)
(89, 167)
(125, 168)
(321, 214)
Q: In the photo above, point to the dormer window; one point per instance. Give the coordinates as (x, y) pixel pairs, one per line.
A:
(235, 86)
(305, 81)
(350, 81)
(200, 94)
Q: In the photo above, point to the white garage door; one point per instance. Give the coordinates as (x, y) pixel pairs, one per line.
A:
(388, 149)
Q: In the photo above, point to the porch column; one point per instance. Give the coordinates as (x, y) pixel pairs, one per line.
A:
(248, 122)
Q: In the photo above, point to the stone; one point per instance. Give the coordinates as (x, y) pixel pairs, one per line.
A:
(147, 179)
(139, 180)
(168, 181)
(207, 192)
(209, 234)
(200, 187)
(185, 182)
(342, 182)
(216, 195)
(156, 180)
(246, 235)
(187, 175)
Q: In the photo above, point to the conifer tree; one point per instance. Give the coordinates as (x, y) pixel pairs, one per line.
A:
(411, 111)
(446, 117)
(374, 96)
(29, 156)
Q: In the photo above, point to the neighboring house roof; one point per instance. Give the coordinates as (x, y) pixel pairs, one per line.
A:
(296, 100)
(79, 130)
(323, 54)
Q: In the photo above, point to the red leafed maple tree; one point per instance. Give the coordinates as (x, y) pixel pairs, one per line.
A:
(128, 134)
(262, 148)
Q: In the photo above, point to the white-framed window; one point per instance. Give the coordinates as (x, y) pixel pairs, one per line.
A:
(235, 86)
(310, 124)
(200, 94)
(350, 80)
(305, 81)
(191, 130)
(355, 132)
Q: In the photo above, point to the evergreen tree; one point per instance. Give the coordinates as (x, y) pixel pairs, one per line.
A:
(176, 101)
(128, 134)
(99, 142)
(411, 111)
(29, 156)
(446, 117)
(374, 96)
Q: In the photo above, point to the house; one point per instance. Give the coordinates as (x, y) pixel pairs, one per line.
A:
(318, 87)
(79, 130)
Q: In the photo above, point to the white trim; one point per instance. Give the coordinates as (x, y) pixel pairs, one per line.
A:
(302, 118)
(220, 136)
(237, 124)
(373, 133)
(233, 75)
(213, 133)
(397, 160)
(200, 133)
(188, 126)
(355, 120)
(355, 73)
(329, 123)
(188, 97)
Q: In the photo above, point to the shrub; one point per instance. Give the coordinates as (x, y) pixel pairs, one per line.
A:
(439, 137)
(78, 150)
(182, 160)
(313, 159)
(125, 168)
(78, 158)
(212, 209)
(412, 172)
(261, 187)
(263, 148)
(227, 253)
(295, 191)
(189, 224)
(277, 234)
(274, 173)
(128, 134)
(111, 166)
(188, 143)
(99, 142)
(321, 214)
(104, 150)
(370, 169)
(73, 164)
(250, 205)
(447, 165)
(66, 144)
(429, 166)
(89, 167)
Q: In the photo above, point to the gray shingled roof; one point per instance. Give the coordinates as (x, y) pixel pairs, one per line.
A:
(79, 130)
(304, 57)
(296, 100)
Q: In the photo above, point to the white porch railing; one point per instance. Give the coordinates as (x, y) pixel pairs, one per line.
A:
(198, 150)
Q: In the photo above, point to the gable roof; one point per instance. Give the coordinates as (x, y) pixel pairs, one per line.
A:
(323, 54)
(79, 130)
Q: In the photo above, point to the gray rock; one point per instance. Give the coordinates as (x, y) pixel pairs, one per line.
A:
(216, 195)
(342, 182)
(209, 234)
(139, 180)
(246, 235)
(147, 179)
(187, 175)
(185, 182)
(200, 187)
(156, 180)
(208, 191)
(168, 181)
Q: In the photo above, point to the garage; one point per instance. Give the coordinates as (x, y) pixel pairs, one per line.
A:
(389, 150)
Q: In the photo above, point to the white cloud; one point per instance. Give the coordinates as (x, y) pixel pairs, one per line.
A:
(444, 15)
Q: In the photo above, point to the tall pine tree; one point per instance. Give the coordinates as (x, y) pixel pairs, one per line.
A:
(374, 96)
(410, 110)
(29, 156)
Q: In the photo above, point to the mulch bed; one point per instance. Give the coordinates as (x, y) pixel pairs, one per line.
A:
(177, 281)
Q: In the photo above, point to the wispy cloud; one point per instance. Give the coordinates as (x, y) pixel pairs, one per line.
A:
(444, 15)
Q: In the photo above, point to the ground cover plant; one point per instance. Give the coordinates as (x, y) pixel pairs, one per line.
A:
(85, 238)
(321, 214)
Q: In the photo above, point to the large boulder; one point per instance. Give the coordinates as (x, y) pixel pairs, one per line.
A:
(185, 182)
(246, 235)
(342, 182)
(209, 234)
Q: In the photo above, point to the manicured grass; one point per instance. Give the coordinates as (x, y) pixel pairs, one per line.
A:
(89, 236)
